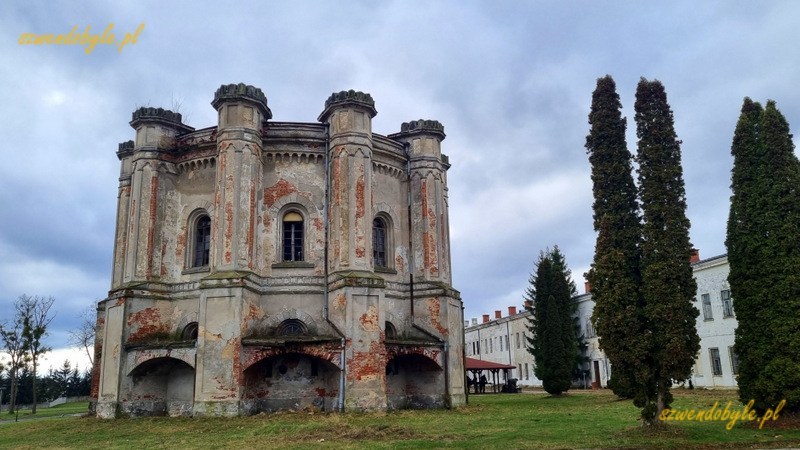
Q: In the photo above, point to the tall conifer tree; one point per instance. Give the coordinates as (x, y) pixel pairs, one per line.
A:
(668, 286)
(552, 340)
(615, 274)
(764, 254)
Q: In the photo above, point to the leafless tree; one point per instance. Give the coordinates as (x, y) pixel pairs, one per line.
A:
(14, 346)
(36, 316)
(83, 334)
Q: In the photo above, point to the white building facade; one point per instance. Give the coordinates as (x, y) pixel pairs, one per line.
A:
(503, 339)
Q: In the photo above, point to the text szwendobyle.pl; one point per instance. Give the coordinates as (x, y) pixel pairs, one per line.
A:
(722, 415)
(86, 38)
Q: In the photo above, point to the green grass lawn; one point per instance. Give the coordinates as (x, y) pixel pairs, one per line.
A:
(578, 420)
(55, 411)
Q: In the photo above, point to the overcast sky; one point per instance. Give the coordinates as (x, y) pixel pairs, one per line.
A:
(510, 81)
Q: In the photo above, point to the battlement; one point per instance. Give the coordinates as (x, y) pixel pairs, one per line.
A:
(422, 126)
(241, 91)
(348, 97)
(158, 115)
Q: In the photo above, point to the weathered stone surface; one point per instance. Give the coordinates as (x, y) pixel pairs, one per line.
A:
(260, 321)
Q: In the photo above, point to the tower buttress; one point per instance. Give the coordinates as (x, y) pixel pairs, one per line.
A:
(138, 233)
(430, 225)
(242, 110)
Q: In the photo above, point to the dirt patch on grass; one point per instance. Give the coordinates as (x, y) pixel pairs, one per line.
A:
(380, 432)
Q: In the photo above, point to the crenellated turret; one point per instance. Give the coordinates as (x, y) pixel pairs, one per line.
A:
(429, 209)
(349, 117)
(137, 240)
(156, 128)
(242, 110)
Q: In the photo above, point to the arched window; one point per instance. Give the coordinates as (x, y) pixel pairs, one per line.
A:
(292, 236)
(201, 241)
(379, 243)
(292, 327)
(189, 332)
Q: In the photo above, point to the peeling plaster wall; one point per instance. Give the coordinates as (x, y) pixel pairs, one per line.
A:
(246, 173)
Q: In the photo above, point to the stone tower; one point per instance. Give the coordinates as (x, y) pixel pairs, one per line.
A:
(264, 266)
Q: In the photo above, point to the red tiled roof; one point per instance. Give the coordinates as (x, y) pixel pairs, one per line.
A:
(477, 364)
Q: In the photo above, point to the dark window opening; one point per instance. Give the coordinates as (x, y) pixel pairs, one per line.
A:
(268, 370)
(734, 361)
(292, 327)
(727, 303)
(314, 368)
(202, 242)
(716, 362)
(189, 332)
(379, 242)
(391, 331)
(292, 237)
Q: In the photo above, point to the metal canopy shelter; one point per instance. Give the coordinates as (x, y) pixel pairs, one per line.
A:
(476, 366)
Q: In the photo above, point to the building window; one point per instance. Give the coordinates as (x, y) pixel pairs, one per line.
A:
(478, 347)
(527, 373)
(291, 327)
(517, 340)
(734, 360)
(202, 241)
(727, 304)
(379, 242)
(589, 329)
(716, 362)
(189, 332)
(491, 345)
(292, 236)
(707, 307)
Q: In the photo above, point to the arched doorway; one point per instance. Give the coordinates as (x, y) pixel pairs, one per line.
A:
(161, 387)
(414, 382)
(290, 381)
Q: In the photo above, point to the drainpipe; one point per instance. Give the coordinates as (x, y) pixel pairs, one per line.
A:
(325, 295)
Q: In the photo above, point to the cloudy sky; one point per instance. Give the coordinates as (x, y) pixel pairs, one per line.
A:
(511, 82)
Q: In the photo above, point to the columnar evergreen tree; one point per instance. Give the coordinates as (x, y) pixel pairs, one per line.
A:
(668, 286)
(552, 340)
(763, 243)
(615, 274)
(641, 277)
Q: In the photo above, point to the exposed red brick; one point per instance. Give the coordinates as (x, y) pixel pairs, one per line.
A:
(318, 224)
(276, 191)
(369, 320)
(151, 225)
(181, 244)
(434, 308)
(163, 270)
(251, 232)
(336, 177)
(340, 302)
(360, 193)
(328, 352)
(320, 392)
(369, 364)
(399, 264)
(146, 322)
(424, 193)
